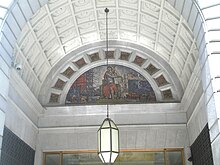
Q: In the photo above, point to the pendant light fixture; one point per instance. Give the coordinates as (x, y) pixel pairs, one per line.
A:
(108, 133)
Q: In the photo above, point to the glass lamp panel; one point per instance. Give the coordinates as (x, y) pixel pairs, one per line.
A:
(106, 157)
(113, 125)
(105, 140)
(114, 156)
(105, 124)
(114, 140)
(100, 156)
(98, 140)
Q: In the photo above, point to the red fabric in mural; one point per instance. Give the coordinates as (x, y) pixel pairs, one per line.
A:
(109, 90)
(81, 82)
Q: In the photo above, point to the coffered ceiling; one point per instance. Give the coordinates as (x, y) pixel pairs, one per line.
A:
(152, 32)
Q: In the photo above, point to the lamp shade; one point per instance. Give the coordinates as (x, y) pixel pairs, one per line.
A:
(108, 141)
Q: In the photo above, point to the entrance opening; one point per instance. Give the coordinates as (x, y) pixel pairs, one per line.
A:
(133, 157)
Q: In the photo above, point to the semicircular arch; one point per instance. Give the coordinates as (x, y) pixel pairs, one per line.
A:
(136, 57)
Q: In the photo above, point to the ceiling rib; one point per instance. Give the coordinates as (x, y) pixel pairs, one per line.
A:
(159, 23)
(117, 19)
(189, 54)
(75, 22)
(176, 38)
(26, 62)
(152, 24)
(55, 31)
(139, 19)
(38, 44)
(96, 20)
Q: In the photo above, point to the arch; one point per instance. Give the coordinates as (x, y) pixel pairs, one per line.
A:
(167, 37)
(148, 58)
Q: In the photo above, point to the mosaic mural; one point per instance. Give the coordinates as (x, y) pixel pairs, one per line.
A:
(114, 84)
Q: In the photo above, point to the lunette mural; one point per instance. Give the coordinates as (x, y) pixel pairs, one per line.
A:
(114, 84)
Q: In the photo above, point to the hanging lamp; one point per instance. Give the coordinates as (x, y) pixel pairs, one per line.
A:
(108, 133)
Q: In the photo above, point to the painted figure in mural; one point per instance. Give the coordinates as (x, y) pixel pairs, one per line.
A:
(118, 83)
(110, 88)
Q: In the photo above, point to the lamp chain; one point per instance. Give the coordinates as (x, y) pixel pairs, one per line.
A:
(106, 11)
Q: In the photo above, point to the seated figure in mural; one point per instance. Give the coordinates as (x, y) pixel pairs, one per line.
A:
(110, 88)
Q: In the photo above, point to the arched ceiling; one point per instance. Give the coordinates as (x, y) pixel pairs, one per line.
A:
(62, 27)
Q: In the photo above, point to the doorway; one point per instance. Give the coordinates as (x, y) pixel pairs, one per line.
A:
(126, 157)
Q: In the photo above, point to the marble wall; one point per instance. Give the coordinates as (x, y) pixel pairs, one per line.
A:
(53, 138)
(131, 137)
(5, 61)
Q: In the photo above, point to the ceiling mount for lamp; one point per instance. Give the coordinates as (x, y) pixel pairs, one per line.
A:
(108, 133)
(106, 11)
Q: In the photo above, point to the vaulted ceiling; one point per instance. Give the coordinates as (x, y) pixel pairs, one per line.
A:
(65, 38)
